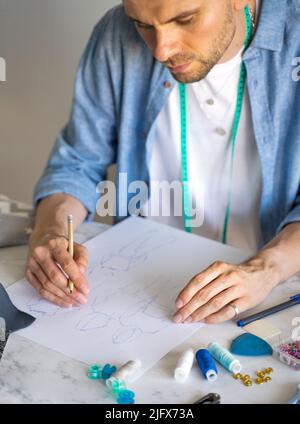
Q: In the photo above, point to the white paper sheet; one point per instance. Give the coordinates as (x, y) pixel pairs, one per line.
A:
(137, 269)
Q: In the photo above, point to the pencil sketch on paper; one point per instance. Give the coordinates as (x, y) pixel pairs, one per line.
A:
(136, 271)
(37, 305)
(148, 313)
(147, 309)
(135, 252)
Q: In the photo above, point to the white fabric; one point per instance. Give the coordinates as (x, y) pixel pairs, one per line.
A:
(209, 141)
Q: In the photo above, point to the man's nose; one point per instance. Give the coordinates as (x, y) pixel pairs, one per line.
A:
(164, 46)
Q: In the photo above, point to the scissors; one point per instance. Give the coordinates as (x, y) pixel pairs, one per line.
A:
(211, 398)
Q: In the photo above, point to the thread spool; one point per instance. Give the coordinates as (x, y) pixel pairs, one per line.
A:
(184, 365)
(225, 358)
(207, 364)
(125, 372)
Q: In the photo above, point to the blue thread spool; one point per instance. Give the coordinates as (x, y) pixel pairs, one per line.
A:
(207, 364)
(94, 372)
(224, 357)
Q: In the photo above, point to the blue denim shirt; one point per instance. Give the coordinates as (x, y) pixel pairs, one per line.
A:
(120, 90)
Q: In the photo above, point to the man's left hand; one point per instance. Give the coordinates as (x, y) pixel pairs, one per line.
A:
(208, 296)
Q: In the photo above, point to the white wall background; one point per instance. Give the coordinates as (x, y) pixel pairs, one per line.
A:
(41, 41)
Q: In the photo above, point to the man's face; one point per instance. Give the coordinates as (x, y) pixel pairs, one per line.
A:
(187, 36)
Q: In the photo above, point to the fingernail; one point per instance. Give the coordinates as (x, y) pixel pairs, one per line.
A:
(188, 320)
(81, 299)
(82, 269)
(179, 303)
(85, 290)
(177, 318)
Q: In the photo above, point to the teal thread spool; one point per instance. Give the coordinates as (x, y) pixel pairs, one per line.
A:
(224, 357)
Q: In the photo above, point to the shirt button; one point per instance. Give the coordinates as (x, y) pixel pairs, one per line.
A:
(167, 84)
(210, 102)
(220, 131)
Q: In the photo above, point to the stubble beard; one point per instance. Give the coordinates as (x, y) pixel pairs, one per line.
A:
(203, 65)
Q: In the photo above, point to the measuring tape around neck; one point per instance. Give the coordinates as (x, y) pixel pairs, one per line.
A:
(186, 199)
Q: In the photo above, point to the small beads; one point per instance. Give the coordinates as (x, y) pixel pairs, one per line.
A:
(261, 377)
(108, 371)
(120, 391)
(245, 379)
(117, 386)
(125, 397)
(95, 372)
(291, 349)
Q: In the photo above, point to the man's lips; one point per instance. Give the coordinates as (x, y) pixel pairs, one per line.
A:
(180, 68)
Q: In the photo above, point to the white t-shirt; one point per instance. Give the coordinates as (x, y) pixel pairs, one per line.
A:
(211, 105)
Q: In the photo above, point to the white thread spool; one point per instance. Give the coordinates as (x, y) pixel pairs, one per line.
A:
(184, 366)
(126, 372)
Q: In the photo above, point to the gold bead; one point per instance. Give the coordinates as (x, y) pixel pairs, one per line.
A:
(248, 383)
(237, 376)
(259, 380)
(267, 378)
(269, 370)
(246, 377)
(260, 374)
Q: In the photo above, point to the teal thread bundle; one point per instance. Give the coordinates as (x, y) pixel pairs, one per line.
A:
(97, 372)
(121, 393)
(117, 386)
(94, 372)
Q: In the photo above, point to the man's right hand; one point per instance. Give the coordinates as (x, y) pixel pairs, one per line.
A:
(47, 257)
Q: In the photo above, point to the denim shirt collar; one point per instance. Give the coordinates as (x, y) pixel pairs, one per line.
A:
(271, 26)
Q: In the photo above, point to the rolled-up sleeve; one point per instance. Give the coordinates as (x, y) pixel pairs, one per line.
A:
(86, 146)
(292, 216)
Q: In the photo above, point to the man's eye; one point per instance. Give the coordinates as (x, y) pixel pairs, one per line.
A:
(186, 21)
(143, 26)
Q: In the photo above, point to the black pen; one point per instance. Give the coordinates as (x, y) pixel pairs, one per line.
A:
(294, 300)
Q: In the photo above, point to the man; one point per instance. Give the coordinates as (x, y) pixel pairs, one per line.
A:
(148, 67)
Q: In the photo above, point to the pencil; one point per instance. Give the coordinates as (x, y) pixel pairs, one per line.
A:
(70, 248)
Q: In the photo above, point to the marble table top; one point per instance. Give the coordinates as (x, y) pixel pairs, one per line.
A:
(30, 373)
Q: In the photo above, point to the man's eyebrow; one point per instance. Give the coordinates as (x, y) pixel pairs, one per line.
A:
(181, 16)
